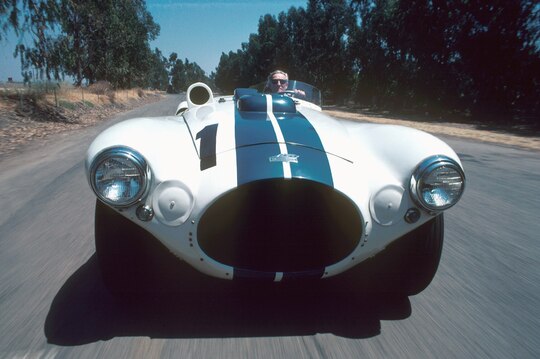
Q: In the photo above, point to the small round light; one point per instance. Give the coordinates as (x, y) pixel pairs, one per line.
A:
(145, 213)
(119, 176)
(437, 183)
(412, 215)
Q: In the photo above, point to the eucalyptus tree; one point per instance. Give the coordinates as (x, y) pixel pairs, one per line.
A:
(107, 40)
(310, 44)
(320, 44)
(229, 71)
(184, 73)
(158, 76)
(35, 19)
(90, 40)
(9, 17)
(467, 55)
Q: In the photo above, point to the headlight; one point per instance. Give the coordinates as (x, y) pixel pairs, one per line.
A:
(119, 176)
(437, 183)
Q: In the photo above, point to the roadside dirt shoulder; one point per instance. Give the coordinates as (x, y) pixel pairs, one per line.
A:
(527, 140)
(21, 126)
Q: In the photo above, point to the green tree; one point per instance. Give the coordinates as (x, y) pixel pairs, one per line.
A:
(38, 20)
(310, 44)
(158, 76)
(465, 55)
(184, 74)
(108, 40)
(9, 17)
(90, 40)
(321, 47)
(229, 71)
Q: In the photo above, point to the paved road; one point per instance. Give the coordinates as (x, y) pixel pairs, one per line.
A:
(484, 301)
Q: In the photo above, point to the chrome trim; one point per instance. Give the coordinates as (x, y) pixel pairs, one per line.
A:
(133, 156)
(426, 167)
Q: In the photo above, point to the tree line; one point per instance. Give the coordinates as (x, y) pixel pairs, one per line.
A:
(94, 40)
(469, 56)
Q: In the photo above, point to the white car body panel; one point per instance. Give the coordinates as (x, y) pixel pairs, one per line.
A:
(370, 164)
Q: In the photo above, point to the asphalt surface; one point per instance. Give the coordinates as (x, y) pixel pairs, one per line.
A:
(483, 303)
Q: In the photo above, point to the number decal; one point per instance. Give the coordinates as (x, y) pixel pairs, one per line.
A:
(208, 146)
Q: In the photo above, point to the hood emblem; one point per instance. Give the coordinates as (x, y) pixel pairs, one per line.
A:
(284, 157)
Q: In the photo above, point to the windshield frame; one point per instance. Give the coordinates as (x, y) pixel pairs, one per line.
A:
(311, 93)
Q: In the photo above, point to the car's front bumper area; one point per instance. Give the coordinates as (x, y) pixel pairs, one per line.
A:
(280, 228)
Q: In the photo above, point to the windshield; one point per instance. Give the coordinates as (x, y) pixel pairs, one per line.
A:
(306, 92)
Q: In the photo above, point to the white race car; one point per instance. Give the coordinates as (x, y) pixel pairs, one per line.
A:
(267, 187)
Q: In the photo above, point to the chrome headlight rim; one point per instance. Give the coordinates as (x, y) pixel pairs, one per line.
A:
(427, 167)
(136, 159)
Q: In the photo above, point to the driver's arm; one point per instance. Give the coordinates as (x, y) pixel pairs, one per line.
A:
(299, 93)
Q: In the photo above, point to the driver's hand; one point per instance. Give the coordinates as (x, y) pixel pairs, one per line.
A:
(299, 92)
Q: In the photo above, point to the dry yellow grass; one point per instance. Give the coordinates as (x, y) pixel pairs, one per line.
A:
(25, 117)
(75, 95)
(63, 95)
(450, 129)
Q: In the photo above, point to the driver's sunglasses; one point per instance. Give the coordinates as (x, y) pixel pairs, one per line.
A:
(279, 81)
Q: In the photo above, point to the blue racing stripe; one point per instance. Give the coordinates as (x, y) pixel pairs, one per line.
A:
(253, 128)
(252, 163)
(246, 274)
(256, 143)
(313, 165)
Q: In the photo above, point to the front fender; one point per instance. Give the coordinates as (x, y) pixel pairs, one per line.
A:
(164, 142)
(400, 149)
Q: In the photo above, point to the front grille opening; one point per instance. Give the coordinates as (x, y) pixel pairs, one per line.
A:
(280, 226)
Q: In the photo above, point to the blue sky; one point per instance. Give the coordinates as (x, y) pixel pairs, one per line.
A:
(197, 30)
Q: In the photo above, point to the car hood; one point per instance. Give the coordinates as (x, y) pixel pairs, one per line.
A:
(260, 119)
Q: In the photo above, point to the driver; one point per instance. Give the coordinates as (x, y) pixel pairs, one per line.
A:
(278, 81)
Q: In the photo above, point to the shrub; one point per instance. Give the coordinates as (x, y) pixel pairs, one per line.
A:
(100, 87)
(67, 105)
(112, 96)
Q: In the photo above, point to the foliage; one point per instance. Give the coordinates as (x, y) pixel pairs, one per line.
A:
(100, 87)
(106, 40)
(88, 104)
(91, 40)
(183, 74)
(38, 19)
(474, 56)
(67, 104)
(97, 41)
(158, 76)
(9, 16)
(469, 56)
(310, 44)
